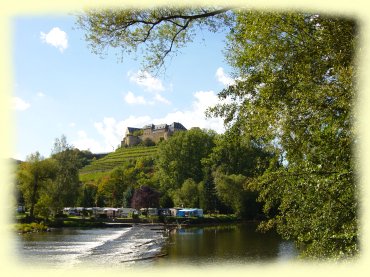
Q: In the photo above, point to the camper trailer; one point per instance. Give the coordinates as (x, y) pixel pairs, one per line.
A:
(190, 213)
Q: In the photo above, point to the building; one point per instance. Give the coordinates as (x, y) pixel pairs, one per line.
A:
(151, 132)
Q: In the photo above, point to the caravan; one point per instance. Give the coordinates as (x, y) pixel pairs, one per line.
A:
(190, 213)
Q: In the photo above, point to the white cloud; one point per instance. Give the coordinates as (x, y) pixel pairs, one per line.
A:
(195, 116)
(40, 94)
(223, 78)
(56, 37)
(131, 99)
(146, 80)
(83, 142)
(149, 83)
(19, 104)
(161, 99)
(72, 124)
(112, 131)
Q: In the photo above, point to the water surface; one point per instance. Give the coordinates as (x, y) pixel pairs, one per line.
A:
(139, 245)
(238, 243)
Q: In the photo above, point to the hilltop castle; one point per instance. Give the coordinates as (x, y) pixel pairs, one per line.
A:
(154, 133)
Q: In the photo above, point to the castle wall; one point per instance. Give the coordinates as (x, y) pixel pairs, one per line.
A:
(156, 133)
(131, 140)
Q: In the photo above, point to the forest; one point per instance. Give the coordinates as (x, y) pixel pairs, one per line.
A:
(197, 168)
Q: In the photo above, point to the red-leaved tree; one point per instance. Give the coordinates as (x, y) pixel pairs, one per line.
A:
(145, 197)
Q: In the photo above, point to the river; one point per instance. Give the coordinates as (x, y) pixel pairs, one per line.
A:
(136, 247)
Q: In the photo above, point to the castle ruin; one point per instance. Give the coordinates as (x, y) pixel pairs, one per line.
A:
(155, 133)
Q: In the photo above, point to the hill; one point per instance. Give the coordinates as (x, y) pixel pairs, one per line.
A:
(117, 158)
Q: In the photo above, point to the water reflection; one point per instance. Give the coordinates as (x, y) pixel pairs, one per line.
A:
(239, 243)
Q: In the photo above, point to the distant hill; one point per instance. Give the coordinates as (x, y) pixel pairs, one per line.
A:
(14, 161)
(117, 158)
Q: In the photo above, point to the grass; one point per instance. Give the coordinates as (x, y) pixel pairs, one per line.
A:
(30, 227)
(117, 158)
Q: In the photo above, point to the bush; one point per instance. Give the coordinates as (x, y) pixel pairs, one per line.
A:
(31, 227)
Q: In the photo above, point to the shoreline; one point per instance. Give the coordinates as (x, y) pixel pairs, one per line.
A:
(165, 223)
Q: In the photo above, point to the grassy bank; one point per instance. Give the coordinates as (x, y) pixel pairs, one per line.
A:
(30, 227)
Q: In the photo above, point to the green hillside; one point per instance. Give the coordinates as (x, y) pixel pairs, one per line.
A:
(117, 158)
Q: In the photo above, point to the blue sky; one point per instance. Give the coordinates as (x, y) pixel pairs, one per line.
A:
(60, 87)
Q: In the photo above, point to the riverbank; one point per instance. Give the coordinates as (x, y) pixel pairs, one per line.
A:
(86, 222)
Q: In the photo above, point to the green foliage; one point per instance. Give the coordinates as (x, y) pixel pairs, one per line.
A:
(120, 157)
(230, 190)
(165, 201)
(179, 158)
(64, 189)
(158, 32)
(115, 188)
(234, 159)
(187, 195)
(237, 153)
(30, 227)
(138, 133)
(148, 142)
(33, 177)
(42, 207)
(127, 197)
(87, 194)
(85, 157)
(294, 92)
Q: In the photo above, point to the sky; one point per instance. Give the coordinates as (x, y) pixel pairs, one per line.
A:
(62, 88)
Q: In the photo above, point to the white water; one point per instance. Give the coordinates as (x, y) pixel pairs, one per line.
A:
(93, 247)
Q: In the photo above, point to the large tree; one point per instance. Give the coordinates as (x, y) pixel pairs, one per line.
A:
(295, 92)
(180, 158)
(235, 159)
(188, 195)
(145, 197)
(33, 175)
(156, 33)
(64, 189)
(238, 153)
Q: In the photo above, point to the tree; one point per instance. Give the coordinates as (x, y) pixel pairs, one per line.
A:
(158, 32)
(64, 189)
(127, 197)
(294, 92)
(230, 189)
(235, 156)
(238, 153)
(116, 185)
(179, 158)
(33, 175)
(145, 197)
(87, 194)
(42, 207)
(208, 200)
(187, 195)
